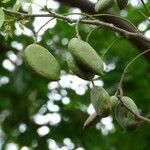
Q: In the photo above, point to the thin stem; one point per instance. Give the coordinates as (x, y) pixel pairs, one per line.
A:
(100, 15)
(119, 17)
(114, 42)
(36, 34)
(128, 65)
(37, 5)
(141, 13)
(92, 82)
(77, 28)
(44, 25)
(87, 38)
(148, 11)
(82, 14)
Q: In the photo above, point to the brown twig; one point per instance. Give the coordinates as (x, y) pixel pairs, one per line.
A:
(110, 26)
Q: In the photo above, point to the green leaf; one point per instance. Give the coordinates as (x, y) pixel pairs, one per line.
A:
(8, 31)
(24, 21)
(21, 26)
(5, 1)
(30, 9)
(6, 36)
(7, 27)
(2, 17)
(16, 7)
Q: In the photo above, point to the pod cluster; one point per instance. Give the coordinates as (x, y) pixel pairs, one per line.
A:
(103, 103)
(84, 62)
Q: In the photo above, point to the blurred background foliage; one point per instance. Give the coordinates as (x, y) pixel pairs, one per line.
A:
(35, 114)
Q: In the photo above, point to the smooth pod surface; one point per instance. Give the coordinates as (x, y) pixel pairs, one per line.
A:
(113, 100)
(125, 118)
(86, 56)
(42, 62)
(101, 101)
(2, 17)
(78, 70)
(122, 3)
(103, 5)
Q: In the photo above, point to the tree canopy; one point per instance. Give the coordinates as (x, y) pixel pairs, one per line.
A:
(41, 115)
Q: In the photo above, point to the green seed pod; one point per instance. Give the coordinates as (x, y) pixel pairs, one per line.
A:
(86, 56)
(125, 118)
(91, 120)
(42, 62)
(2, 17)
(113, 100)
(122, 3)
(101, 101)
(103, 5)
(77, 70)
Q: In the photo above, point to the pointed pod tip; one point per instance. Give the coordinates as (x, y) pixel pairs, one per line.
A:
(83, 128)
